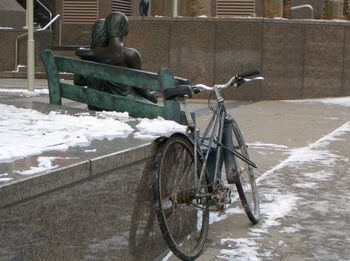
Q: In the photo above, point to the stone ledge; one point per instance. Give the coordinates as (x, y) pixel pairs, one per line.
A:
(16, 192)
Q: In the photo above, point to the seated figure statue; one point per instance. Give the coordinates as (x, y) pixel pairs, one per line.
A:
(107, 47)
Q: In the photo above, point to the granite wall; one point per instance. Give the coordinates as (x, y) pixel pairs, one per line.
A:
(298, 58)
(43, 40)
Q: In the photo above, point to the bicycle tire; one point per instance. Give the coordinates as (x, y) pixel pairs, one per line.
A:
(144, 215)
(245, 182)
(183, 220)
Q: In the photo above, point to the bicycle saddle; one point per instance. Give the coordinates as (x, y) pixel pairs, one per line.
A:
(177, 92)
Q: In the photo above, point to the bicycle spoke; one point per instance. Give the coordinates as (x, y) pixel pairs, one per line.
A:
(245, 183)
(184, 225)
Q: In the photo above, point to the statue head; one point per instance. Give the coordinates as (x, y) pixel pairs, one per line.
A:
(99, 36)
(117, 25)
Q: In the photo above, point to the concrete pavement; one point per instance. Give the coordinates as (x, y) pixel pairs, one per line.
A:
(303, 178)
(302, 152)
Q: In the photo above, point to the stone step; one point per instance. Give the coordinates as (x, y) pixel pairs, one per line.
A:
(65, 50)
(38, 69)
(38, 74)
(61, 50)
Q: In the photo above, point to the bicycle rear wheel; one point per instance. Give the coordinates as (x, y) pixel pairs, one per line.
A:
(183, 214)
(245, 181)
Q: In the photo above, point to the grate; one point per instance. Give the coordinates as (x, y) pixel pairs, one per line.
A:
(123, 6)
(80, 11)
(235, 7)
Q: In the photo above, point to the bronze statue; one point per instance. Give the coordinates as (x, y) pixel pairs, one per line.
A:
(107, 47)
(143, 7)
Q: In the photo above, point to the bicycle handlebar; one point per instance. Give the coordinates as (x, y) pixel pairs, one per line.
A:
(235, 81)
(181, 91)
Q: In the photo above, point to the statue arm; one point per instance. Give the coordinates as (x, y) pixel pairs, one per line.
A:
(85, 53)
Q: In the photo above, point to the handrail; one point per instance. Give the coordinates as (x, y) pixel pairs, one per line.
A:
(49, 23)
(305, 6)
(37, 30)
(46, 9)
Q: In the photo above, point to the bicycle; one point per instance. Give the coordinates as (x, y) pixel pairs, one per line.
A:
(189, 184)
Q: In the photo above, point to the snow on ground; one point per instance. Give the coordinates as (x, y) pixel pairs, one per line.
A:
(342, 101)
(150, 128)
(268, 146)
(280, 200)
(4, 177)
(25, 132)
(6, 28)
(23, 92)
(244, 249)
(44, 163)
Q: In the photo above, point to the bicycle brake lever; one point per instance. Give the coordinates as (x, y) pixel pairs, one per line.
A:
(238, 81)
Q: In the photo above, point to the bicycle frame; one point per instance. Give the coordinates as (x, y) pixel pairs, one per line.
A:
(207, 145)
(215, 151)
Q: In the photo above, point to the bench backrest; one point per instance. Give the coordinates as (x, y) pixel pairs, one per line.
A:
(137, 107)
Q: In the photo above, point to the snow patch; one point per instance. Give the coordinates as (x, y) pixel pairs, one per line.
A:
(90, 151)
(319, 175)
(276, 210)
(153, 128)
(306, 185)
(216, 217)
(25, 132)
(341, 101)
(312, 152)
(243, 249)
(4, 177)
(24, 93)
(291, 229)
(44, 164)
(260, 145)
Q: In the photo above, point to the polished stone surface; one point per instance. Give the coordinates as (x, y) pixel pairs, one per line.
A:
(346, 57)
(95, 206)
(7, 52)
(238, 49)
(151, 39)
(323, 64)
(109, 217)
(298, 58)
(282, 61)
(192, 51)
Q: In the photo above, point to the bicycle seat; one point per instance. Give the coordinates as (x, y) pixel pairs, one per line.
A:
(177, 92)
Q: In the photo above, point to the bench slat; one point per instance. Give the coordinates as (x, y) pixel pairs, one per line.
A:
(135, 108)
(116, 74)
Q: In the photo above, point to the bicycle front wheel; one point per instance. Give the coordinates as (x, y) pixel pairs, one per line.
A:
(245, 181)
(182, 208)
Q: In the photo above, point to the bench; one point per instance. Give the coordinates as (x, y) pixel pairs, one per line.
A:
(134, 105)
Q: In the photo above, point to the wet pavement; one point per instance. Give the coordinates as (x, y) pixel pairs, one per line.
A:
(301, 149)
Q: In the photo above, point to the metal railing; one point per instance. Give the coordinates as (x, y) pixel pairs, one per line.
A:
(46, 9)
(311, 9)
(57, 17)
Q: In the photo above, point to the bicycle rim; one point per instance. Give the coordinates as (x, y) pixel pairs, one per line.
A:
(245, 183)
(183, 218)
